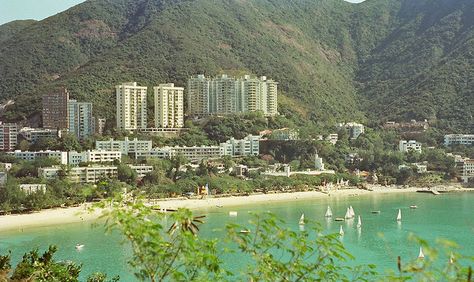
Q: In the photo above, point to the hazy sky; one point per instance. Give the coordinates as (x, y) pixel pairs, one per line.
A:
(39, 9)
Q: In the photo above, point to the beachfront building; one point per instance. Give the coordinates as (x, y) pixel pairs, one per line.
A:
(193, 154)
(169, 106)
(405, 146)
(227, 95)
(61, 157)
(466, 169)
(34, 134)
(55, 109)
(89, 174)
(458, 139)
(8, 136)
(33, 188)
(131, 106)
(126, 146)
(249, 146)
(81, 123)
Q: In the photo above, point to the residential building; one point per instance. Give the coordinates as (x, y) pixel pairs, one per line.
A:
(412, 145)
(285, 134)
(100, 126)
(81, 122)
(332, 138)
(249, 146)
(355, 129)
(55, 109)
(193, 154)
(458, 139)
(34, 134)
(318, 162)
(61, 157)
(466, 169)
(131, 106)
(141, 170)
(158, 153)
(93, 156)
(126, 146)
(8, 136)
(227, 95)
(33, 188)
(3, 178)
(169, 106)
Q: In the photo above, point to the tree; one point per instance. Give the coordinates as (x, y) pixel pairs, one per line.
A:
(176, 162)
(126, 174)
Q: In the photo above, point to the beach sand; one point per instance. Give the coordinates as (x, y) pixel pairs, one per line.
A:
(79, 214)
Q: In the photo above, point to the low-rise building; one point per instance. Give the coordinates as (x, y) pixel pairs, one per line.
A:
(8, 136)
(90, 174)
(332, 138)
(355, 129)
(3, 178)
(141, 170)
(285, 134)
(466, 169)
(34, 134)
(126, 146)
(33, 188)
(412, 145)
(195, 153)
(458, 139)
(61, 157)
(93, 156)
(249, 146)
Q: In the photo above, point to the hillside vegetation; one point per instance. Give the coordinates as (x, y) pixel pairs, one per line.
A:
(335, 61)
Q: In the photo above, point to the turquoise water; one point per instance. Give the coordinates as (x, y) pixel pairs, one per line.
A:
(448, 216)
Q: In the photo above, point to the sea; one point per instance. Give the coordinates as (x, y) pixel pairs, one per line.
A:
(380, 240)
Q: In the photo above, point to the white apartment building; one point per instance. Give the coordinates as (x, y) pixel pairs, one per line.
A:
(458, 139)
(158, 153)
(34, 134)
(332, 138)
(355, 129)
(193, 154)
(141, 170)
(169, 106)
(8, 136)
(249, 146)
(131, 106)
(61, 157)
(93, 156)
(466, 169)
(412, 145)
(227, 95)
(32, 188)
(126, 146)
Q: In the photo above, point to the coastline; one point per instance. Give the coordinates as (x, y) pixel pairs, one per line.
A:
(81, 214)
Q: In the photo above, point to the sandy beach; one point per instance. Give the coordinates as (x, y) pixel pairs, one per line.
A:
(79, 214)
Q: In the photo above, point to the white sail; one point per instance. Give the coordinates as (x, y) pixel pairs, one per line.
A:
(341, 231)
(348, 214)
(328, 212)
(351, 209)
(302, 219)
(399, 216)
(421, 254)
(451, 258)
(359, 222)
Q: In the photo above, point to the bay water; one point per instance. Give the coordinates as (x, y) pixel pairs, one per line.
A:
(380, 240)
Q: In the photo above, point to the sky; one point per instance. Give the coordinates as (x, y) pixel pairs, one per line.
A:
(39, 9)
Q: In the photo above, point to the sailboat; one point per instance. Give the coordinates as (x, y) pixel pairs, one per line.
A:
(79, 247)
(302, 219)
(451, 258)
(421, 255)
(348, 214)
(351, 209)
(341, 231)
(359, 222)
(399, 216)
(328, 212)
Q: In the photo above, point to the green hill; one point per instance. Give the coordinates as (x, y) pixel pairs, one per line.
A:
(334, 60)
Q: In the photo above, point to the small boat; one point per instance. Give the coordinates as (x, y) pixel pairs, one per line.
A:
(232, 213)
(219, 206)
(339, 219)
(421, 255)
(413, 207)
(399, 216)
(301, 222)
(245, 231)
(351, 210)
(328, 212)
(348, 214)
(79, 246)
(359, 222)
(341, 231)
(375, 211)
(451, 258)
